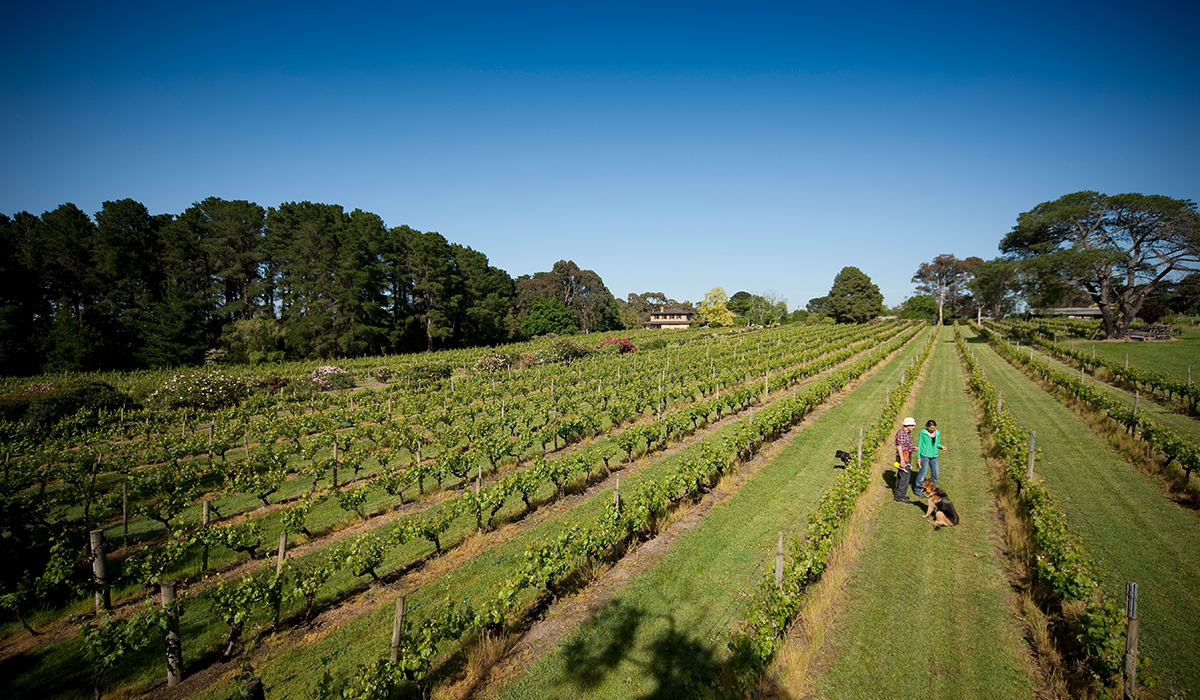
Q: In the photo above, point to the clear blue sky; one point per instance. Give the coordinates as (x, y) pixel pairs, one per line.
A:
(668, 147)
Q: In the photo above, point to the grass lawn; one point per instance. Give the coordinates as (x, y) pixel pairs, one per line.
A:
(1134, 533)
(1170, 357)
(925, 613)
(667, 630)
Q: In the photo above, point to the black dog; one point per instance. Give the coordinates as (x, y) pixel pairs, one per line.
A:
(844, 456)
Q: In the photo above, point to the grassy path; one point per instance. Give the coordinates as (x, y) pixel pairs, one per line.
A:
(1126, 524)
(926, 613)
(666, 631)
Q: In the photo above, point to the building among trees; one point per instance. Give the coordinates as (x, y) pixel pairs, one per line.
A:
(670, 318)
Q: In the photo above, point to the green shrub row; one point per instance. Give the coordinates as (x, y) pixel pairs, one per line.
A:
(1063, 569)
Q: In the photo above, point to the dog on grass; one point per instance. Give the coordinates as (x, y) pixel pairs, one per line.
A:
(940, 507)
(844, 456)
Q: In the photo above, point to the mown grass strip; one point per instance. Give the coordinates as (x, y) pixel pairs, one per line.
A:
(926, 612)
(1130, 531)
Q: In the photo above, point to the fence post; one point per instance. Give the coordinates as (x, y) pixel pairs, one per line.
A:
(335, 462)
(1131, 641)
(282, 552)
(125, 513)
(1029, 468)
(779, 563)
(100, 571)
(174, 646)
(397, 625)
(204, 526)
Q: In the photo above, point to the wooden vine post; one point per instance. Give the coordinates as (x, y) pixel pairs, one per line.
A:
(335, 462)
(174, 645)
(1131, 641)
(779, 563)
(1029, 467)
(860, 439)
(282, 552)
(125, 513)
(204, 520)
(397, 626)
(100, 571)
(617, 496)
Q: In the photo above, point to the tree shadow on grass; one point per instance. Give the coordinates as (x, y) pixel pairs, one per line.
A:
(678, 662)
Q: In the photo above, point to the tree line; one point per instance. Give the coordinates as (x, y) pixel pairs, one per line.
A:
(1129, 255)
(126, 289)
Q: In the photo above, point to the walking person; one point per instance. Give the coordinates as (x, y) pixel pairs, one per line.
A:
(904, 452)
(929, 443)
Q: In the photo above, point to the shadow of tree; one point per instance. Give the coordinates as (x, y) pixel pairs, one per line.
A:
(678, 662)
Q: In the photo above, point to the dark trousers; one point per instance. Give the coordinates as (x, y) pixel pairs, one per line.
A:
(901, 491)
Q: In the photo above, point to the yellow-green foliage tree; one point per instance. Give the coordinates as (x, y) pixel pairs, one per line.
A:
(713, 310)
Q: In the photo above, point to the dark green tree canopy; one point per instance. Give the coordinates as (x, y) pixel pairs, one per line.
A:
(854, 298)
(303, 279)
(581, 291)
(922, 306)
(549, 315)
(945, 279)
(1117, 249)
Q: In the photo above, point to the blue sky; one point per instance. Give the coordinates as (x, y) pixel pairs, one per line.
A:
(669, 147)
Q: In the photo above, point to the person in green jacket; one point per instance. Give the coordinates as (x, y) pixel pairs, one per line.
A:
(929, 443)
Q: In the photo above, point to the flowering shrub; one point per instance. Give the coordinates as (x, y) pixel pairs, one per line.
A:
(492, 361)
(623, 344)
(213, 355)
(328, 378)
(201, 390)
(383, 374)
(564, 351)
(273, 384)
(429, 371)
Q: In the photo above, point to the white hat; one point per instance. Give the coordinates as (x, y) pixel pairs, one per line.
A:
(909, 421)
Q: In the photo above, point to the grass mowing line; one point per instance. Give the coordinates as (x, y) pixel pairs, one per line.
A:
(1120, 515)
(478, 580)
(929, 613)
(655, 638)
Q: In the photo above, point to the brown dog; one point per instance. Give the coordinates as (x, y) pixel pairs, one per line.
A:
(940, 507)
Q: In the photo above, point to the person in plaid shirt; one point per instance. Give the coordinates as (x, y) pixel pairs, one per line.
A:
(904, 451)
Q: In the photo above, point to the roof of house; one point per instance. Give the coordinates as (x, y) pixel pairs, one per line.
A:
(674, 311)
